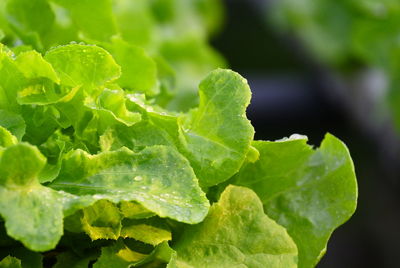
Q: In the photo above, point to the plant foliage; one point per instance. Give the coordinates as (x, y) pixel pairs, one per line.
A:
(103, 164)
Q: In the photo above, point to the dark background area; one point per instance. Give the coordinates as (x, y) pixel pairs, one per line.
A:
(291, 96)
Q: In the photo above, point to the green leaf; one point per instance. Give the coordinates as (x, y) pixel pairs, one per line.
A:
(139, 71)
(217, 135)
(13, 122)
(151, 231)
(22, 197)
(30, 80)
(192, 59)
(215, 138)
(10, 262)
(20, 165)
(236, 233)
(308, 192)
(93, 18)
(42, 85)
(44, 207)
(46, 93)
(30, 20)
(54, 149)
(102, 220)
(119, 256)
(6, 138)
(132, 210)
(32, 65)
(40, 123)
(154, 129)
(136, 23)
(111, 108)
(158, 178)
(12, 82)
(83, 65)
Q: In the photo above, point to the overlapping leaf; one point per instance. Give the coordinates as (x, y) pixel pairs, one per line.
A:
(158, 178)
(33, 213)
(308, 192)
(217, 135)
(236, 233)
(139, 36)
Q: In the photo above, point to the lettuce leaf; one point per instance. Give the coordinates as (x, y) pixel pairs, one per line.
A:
(10, 262)
(33, 213)
(140, 36)
(217, 135)
(308, 192)
(236, 233)
(158, 178)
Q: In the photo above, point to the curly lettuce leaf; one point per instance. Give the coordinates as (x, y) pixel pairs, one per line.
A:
(32, 65)
(33, 213)
(30, 20)
(217, 135)
(42, 83)
(132, 210)
(140, 36)
(309, 192)
(120, 255)
(111, 108)
(54, 149)
(236, 233)
(102, 220)
(13, 122)
(12, 81)
(158, 178)
(139, 71)
(151, 231)
(105, 220)
(83, 65)
(192, 59)
(6, 138)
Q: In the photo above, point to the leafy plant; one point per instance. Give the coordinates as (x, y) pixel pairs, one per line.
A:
(98, 169)
(152, 41)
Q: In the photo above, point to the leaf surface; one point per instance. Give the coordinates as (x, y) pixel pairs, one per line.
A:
(27, 206)
(217, 135)
(308, 192)
(158, 178)
(236, 233)
(83, 65)
(10, 262)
